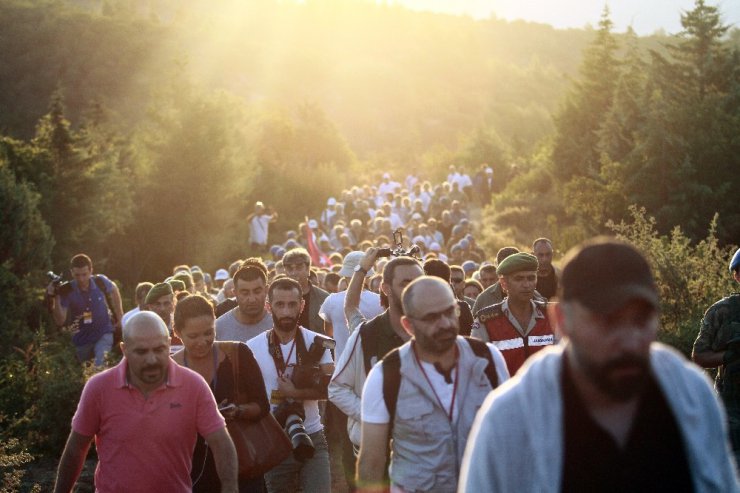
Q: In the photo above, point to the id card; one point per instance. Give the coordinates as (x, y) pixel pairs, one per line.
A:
(87, 317)
(276, 398)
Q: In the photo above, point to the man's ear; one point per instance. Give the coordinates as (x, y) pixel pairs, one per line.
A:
(407, 325)
(386, 288)
(556, 318)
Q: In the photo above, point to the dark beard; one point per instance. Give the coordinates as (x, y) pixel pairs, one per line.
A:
(619, 389)
(439, 343)
(285, 324)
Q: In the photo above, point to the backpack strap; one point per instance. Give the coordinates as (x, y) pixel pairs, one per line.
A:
(392, 373)
(481, 350)
(391, 382)
(369, 345)
(101, 286)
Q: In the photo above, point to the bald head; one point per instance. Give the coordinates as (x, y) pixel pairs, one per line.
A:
(422, 289)
(144, 323)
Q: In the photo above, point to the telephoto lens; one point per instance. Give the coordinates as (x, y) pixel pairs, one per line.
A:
(303, 448)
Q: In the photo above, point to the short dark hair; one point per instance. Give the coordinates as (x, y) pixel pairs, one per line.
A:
(249, 272)
(180, 267)
(505, 252)
(489, 268)
(79, 261)
(284, 284)
(332, 277)
(541, 240)
(457, 268)
(390, 268)
(437, 268)
(191, 306)
(255, 262)
(235, 266)
(297, 254)
(142, 289)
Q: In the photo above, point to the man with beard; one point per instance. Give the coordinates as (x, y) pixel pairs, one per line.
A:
(278, 352)
(439, 380)
(518, 325)
(250, 317)
(144, 414)
(609, 410)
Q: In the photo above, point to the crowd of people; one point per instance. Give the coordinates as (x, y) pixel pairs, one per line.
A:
(422, 356)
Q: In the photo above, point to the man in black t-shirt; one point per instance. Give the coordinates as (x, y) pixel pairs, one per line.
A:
(547, 274)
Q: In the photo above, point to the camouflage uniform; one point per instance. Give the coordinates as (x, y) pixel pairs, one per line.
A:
(720, 331)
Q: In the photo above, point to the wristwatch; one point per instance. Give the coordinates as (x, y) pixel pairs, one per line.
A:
(358, 268)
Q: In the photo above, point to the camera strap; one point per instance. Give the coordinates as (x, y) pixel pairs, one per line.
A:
(281, 363)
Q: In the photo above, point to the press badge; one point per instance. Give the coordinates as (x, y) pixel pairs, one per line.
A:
(276, 398)
(87, 317)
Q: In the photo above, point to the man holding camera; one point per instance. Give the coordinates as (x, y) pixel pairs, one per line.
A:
(295, 365)
(89, 301)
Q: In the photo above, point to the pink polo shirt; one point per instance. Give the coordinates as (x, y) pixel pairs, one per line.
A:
(146, 444)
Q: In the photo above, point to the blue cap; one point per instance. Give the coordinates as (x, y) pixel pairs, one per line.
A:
(735, 262)
(469, 265)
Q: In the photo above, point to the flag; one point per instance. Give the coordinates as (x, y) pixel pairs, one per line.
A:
(318, 258)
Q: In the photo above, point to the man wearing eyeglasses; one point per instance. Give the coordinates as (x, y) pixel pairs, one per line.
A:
(425, 395)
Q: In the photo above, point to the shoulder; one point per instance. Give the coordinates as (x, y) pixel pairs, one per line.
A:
(258, 343)
(104, 279)
(318, 292)
(490, 312)
(725, 306)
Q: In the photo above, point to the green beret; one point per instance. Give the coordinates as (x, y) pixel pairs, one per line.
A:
(159, 290)
(177, 285)
(516, 263)
(185, 278)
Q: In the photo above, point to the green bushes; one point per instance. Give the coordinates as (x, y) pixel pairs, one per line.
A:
(690, 277)
(40, 385)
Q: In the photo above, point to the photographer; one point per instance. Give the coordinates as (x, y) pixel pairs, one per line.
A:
(296, 366)
(93, 306)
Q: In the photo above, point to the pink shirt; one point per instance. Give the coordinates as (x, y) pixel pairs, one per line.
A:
(146, 444)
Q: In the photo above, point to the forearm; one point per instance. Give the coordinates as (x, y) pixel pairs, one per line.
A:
(70, 465)
(708, 359)
(370, 472)
(224, 456)
(354, 291)
(58, 312)
(249, 411)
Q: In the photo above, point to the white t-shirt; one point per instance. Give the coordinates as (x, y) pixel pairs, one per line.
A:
(260, 347)
(258, 228)
(332, 311)
(374, 409)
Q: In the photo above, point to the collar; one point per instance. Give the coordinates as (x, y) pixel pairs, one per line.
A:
(535, 309)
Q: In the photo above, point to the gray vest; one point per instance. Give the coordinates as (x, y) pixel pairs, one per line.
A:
(427, 448)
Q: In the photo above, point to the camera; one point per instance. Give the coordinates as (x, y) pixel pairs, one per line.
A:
(398, 250)
(308, 374)
(61, 287)
(290, 415)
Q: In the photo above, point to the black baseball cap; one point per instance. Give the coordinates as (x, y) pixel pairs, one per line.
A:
(605, 273)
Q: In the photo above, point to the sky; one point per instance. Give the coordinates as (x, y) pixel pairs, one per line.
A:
(645, 16)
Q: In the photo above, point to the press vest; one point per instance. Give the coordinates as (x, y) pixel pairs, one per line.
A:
(427, 447)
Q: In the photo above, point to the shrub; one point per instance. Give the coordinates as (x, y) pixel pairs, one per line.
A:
(690, 277)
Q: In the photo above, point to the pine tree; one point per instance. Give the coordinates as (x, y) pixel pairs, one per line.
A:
(575, 150)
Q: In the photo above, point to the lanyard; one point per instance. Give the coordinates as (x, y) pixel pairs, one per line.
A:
(214, 379)
(454, 387)
(281, 363)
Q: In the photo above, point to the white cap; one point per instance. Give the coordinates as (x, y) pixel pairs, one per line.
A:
(331, 201)
(313, 224)
(221, 275)
(489, 171)
(387, 175)
(435, 247)
(351, 260)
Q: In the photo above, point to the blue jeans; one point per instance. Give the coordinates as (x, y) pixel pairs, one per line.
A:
(96, 349)
(312, 476)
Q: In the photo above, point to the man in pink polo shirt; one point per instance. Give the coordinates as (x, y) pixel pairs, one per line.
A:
(144, 415)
